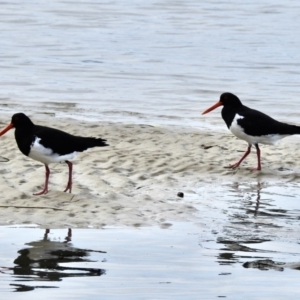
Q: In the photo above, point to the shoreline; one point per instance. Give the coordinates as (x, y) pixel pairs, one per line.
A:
(134, 181)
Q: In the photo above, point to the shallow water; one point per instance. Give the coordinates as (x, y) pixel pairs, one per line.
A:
(158, 62)
(245, 245)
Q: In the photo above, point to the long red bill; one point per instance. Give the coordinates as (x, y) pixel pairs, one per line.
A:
(8, 127)
(219, 103)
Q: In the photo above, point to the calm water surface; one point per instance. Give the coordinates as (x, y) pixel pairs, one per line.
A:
(244, 246)
(160, 61)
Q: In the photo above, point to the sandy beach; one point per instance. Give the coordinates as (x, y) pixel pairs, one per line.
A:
(134, 181)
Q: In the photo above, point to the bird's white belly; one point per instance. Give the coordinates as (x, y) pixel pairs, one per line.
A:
(239, 132)
(46, 155)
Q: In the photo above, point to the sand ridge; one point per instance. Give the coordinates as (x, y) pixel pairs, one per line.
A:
(135, 180)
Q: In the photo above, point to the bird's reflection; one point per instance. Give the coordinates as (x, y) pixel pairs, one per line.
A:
(253, 220)
(41, 262)
(254, 201)
(257, 202)
(234, 240)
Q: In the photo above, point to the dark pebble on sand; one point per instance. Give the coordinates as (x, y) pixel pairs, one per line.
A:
(180, 194)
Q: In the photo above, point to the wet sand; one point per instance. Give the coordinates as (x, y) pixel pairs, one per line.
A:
(134, 181)
(230, 226)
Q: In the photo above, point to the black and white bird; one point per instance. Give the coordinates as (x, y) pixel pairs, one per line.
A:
(48, 145)
(251, 125)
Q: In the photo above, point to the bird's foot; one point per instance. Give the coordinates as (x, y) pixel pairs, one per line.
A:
(256, 169)
(234, 166)
(68, 188)
(44, 191)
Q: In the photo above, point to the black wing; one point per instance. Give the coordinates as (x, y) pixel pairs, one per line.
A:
(64, 143)
(256, 123)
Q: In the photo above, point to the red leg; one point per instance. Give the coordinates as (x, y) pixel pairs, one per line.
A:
(239, 162)
(258, 159)
(45, 190)
(69, 185)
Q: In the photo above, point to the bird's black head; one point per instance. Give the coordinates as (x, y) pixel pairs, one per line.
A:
(19, 120)
(230, 99)
(226, 99)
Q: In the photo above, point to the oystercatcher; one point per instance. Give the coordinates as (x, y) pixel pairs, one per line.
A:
(49, 145)
(251, 125)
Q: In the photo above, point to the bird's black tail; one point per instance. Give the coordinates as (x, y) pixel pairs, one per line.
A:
(100, 142)
(289, 129)
(296, 129)
(85, 143)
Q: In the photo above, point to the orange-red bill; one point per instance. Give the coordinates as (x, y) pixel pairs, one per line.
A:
(8, 127)
(219, 103)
